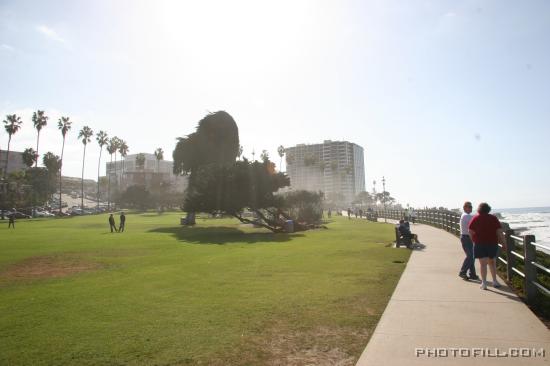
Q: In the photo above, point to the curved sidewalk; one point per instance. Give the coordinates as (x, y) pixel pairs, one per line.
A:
(432, 309)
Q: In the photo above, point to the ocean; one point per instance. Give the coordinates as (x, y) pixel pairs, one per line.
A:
(529, 220)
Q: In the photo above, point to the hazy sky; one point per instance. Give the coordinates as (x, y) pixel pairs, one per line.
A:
(450, 99)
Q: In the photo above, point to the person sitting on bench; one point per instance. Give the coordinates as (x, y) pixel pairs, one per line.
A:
(405, 231)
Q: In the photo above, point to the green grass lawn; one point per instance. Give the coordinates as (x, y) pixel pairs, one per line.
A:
(72, 293)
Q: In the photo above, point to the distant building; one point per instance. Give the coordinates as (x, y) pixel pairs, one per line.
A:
(15, 164)
(336, 168)
(127, 173)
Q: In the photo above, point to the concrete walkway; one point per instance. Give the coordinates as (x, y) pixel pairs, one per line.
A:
(433, 308)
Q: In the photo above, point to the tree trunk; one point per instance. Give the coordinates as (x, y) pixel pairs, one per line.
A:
(82, 180)
(60, 174)
(109, 185)
(37, 155)
(7, 157)
(98, 170)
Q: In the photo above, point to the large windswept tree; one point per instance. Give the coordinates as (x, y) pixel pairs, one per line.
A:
(12, 124)
(84, 135)
(102, 140)
(40, 120)
(220, 184)
(64, 125)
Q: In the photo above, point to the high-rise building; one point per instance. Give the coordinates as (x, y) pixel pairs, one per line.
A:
(336, 168)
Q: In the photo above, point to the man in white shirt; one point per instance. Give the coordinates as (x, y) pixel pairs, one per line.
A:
(469, 262)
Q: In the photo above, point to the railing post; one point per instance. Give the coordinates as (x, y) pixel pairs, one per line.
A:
(529, 252)
(510, 259)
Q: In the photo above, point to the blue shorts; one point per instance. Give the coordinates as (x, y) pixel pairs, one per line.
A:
(485, 250)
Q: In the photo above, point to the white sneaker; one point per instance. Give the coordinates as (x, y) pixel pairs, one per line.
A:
(496, 284)
(483, 286)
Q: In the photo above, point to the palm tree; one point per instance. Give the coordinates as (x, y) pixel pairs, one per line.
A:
(12, 125)
(102, 140)
(123, 151)
(111, 148)
(140, 161)
(40, 120)
(281, 151)
(64, 125)
(159, 154)
(29, 157)
(84, 135)
(116, 144)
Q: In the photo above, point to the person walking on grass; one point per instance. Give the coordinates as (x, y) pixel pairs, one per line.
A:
(122, 222)
(112, 223)
(486, 232)
(11, 220)
(468, 265)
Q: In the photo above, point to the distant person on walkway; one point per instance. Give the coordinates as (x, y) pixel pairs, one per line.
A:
(486, 232)
(413, 216)
(112, 223)
(349, 213)
(405, 231)
(468, 265)
(329, 213)
(11, 220)
(122, 222)
(360, 213)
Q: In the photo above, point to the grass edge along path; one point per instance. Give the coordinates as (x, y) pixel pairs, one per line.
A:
(217, 294)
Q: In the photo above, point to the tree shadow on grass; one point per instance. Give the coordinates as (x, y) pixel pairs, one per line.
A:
(221, 235)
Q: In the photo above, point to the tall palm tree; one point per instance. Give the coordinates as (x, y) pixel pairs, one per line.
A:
(281, 151)
(64, 125)
(111, 148)
(84, 135)
(102, 140)
(40, 120)
(123, 151)
(116, 144)
(159, 154)
(12, 124)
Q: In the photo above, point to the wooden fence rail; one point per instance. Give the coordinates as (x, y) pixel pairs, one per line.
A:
(521, 252)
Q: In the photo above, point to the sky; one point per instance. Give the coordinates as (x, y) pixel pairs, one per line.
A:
(449, 99)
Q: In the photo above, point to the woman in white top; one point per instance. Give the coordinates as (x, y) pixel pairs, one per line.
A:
(468, 265)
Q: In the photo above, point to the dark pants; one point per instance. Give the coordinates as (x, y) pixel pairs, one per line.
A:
(113, 227)
(121, 227)
(468, 247)
(11, 224)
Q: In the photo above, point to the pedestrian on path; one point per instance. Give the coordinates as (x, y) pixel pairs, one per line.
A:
(468, 265)
(112, 223)
(486, 232)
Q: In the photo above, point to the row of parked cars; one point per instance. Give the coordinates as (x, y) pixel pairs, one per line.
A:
(50, 212)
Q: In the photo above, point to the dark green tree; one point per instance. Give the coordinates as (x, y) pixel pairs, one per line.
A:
(29, 157)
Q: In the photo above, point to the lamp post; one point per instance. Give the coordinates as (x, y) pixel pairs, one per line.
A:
(384, 198)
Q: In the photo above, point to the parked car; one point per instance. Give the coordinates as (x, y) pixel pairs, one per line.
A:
(18, 214)
(43, 214)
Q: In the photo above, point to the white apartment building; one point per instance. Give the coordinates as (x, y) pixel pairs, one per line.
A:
(336, 168)
(127, 172)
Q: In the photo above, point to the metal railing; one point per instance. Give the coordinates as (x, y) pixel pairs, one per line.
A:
(521, 256)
